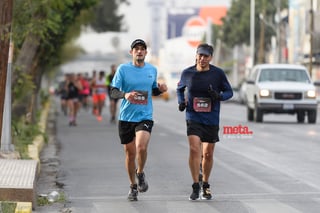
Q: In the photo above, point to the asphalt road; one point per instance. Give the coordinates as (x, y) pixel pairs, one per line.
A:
(273, 169)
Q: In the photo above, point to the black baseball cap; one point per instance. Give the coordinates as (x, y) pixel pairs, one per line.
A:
(205, 49)
(138, 42)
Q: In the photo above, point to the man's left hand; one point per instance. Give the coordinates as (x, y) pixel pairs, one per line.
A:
(215, 96)
(162, 87)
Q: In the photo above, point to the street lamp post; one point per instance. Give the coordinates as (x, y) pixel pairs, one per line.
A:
(5, 30)
(6, 145)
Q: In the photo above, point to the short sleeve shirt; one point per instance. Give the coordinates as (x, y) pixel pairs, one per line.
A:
(130, 78)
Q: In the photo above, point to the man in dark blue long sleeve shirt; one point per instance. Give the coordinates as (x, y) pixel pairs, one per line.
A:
(206, 86)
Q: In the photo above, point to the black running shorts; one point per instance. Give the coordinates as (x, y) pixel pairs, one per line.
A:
(207, 133)
(127, 130)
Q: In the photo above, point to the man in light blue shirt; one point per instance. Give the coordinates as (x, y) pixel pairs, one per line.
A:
(136, 82)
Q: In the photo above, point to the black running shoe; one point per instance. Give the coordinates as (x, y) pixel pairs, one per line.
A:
(142, 183)
(206, 194)
(113, 119)
(195, 192)
(133, 193)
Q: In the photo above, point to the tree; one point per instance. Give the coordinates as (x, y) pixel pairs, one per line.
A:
(105, 16)
(41, 29)
(236, 25)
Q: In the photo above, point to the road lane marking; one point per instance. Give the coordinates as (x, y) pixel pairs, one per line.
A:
(246, 176)
(217, 197)
(284, 170)
(267, 206)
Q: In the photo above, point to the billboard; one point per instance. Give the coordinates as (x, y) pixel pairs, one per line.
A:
(193, 23)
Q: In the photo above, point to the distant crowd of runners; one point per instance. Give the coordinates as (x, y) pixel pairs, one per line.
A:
(79, 90)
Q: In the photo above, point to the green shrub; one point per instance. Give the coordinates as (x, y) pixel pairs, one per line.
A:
(7, 207)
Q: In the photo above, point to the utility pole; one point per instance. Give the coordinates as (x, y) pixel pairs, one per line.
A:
(5, 31)
(261, 56)
(278, 33)
(252, 13)
(156, 6)
(311, 37)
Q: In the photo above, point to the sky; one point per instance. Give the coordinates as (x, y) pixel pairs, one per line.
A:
(137, 19)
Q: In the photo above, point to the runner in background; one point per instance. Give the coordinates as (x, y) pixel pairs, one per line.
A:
(62, 92)
(99, 94)
(92, 81)
(84, 92)
(113, 101)
(73, 86)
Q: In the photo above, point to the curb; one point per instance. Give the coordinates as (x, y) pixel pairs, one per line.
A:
(35, 148)
(23, 207)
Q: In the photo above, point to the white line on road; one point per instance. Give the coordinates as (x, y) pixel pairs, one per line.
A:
(217, 197)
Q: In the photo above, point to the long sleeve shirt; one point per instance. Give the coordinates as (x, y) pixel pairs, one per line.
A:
(197, 85)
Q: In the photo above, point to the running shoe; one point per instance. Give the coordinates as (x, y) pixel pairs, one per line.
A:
(206, 193)
(72, 123)
(142, 183)
(64, 110)
(195, 192)
(99, 118)
(133, 193)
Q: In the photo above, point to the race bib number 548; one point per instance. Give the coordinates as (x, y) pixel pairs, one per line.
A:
(202, 104)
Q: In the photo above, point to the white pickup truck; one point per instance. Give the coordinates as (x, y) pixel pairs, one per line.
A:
(280, 88)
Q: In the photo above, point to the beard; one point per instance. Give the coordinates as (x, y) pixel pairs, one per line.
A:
(140, 60)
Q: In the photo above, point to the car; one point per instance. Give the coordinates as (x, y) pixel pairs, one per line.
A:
(280, 88)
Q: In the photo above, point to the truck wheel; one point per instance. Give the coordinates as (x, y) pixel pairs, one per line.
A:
(312, 116)
(300, 116)
(250, 115)
(258, 114)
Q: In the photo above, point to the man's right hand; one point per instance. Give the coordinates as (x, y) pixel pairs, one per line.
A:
(182, 106)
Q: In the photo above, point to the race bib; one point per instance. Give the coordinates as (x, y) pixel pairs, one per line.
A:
(202, 104)
(141, 98)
